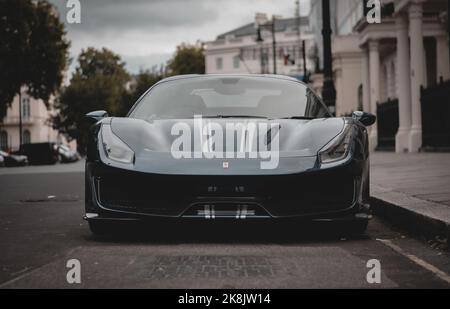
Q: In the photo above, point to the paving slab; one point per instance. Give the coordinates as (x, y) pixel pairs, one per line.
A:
(413, 190)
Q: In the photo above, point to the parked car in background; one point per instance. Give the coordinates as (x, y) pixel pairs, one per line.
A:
(2, 161)
(67, 155)
(10, 160)
(40, 153)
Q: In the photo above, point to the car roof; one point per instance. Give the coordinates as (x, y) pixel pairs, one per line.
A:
(273, 76)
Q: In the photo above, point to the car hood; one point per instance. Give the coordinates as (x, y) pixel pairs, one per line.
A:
(299, 142)
(296, 137)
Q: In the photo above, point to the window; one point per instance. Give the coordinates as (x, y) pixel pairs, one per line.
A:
(236, 62)
(26, 108)
(26, 137)
(4, 140)
(219, 63)
(255, 54)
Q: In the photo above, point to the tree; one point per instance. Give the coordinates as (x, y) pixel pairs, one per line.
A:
(188, 59)
(141, 83)
(99, 83)
(33, 50)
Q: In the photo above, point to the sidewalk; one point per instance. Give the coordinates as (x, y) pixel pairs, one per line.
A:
(413, 190)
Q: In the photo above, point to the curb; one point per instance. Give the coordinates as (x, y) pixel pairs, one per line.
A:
(419, 217)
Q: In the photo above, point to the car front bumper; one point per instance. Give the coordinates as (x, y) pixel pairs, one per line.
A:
(320, 195)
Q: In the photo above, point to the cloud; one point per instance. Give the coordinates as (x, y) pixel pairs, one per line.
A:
(117, 15)
(150, 61)
(146, 32)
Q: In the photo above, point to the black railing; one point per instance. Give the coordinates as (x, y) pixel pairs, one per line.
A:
(435, 103)
(387, 121)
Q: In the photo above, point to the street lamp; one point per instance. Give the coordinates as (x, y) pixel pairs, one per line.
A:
(259, 41)
(305, 72)
(328, 91)
(271, 26)
(301, 42)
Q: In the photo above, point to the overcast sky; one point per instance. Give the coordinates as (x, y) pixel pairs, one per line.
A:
(145, 32)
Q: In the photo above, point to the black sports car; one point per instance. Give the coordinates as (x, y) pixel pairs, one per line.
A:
(231, 147)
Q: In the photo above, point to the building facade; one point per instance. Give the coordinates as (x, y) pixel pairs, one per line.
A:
(240, 51)
(36, 127)
(382, 67)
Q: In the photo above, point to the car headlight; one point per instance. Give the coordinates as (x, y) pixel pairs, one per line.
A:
(338, 148)
(114, 147)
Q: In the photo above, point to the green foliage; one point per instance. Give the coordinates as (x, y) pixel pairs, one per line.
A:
(99, 83)
(188, 59)
(33, 50)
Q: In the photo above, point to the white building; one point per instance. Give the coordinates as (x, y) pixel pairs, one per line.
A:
(36, 127)
(374, 63)
(238, 51)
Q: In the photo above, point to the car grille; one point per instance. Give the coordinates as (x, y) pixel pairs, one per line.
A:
(280, 195)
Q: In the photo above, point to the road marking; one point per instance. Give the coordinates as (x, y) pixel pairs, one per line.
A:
(35, 270)
(13, 280)
(20, 271)
(436, 271)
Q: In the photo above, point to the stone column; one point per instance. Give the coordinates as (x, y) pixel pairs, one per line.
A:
(365, 80)
(417, 74)
(374, 64)
(442, 57)
(404, 84)
(389, 80)
(393, 88)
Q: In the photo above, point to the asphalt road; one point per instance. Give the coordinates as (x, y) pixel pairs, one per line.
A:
(41, 228)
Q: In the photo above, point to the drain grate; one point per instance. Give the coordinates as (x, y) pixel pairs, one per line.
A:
(214, 266)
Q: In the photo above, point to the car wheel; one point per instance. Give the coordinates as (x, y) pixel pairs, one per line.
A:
(356, 228)
(99, 228)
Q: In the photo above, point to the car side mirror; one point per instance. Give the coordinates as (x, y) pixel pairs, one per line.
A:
(95, 116)
(367, 119)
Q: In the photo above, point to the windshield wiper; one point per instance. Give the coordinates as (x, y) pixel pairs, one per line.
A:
(234, 116)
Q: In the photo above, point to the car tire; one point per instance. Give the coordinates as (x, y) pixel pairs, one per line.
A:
(356, 228)
(99, 228)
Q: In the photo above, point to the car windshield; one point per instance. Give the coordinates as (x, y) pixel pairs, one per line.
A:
(230, 96)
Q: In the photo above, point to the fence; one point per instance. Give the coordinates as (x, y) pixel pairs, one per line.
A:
(435, 104)
(387, 121)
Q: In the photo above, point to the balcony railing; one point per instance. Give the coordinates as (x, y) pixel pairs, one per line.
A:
(435, 103)
(387, 119)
